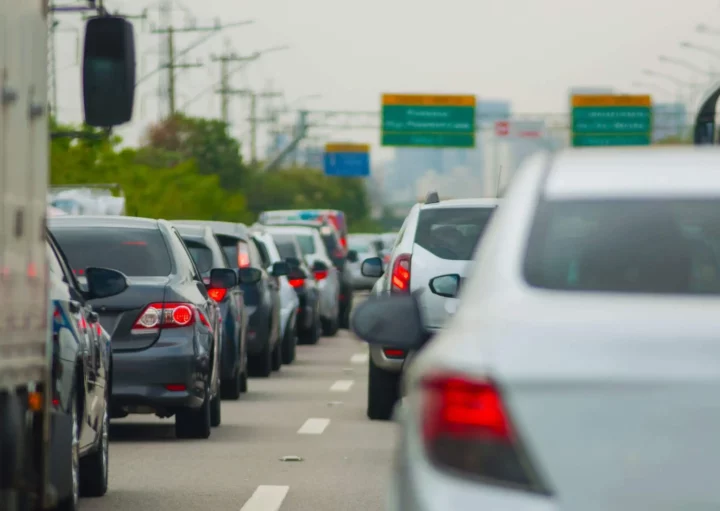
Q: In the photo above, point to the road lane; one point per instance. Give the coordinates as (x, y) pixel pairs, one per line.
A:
(345, 459)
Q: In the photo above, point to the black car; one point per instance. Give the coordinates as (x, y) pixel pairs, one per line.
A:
(164, 326)
(262, 298)
(81, 368)
(302, 280)
(205, 250)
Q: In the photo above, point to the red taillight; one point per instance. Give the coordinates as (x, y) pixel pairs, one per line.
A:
(176, 387)
(343, 242)
(296, 283)
(79, 272)
(466, 428)
(321, 274)
(217, 294)
(83, 323)
(393, 353)
(400, 278)
(98, 329)
(56, 402)
(243, 255)
(164, 315)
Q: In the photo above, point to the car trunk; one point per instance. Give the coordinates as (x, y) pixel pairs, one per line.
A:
(119, 313)
(617, 405)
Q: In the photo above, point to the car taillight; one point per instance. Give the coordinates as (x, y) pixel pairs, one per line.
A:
(343, 242)
(321, 274)
(83, 324)
(467, 430)
(296, 283)
(393, 353)
(243, 256)
(400, 278)
(165, 315)
(98, 329)
(217, 294)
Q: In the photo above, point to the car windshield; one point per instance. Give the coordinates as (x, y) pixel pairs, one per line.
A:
(452, 233)
(201, 254)
(134, 252)
(630, 246)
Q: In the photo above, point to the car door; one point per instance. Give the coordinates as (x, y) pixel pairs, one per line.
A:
(273, 283)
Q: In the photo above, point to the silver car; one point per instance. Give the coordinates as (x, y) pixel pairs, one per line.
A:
(581, 369)
(438, 237)
(361, 247)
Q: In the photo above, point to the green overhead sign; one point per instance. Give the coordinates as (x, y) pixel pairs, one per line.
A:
(611, 120)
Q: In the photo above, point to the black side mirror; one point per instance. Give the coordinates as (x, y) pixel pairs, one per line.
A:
(320, 266)
(446, 285)
(390, 321)
(372, 267)
(249, 275)
(280, 268)
(93, 317)
(297, 274)
(108, 71)
(104, 282)
(222, 278)
(352, 256)
(293, 262)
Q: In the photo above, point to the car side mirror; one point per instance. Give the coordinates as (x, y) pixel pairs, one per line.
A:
(104, 282)
(249, 275)
(93, 317)
(319, 266)
(222, 278)
(293, 262)
(297, 274)
(372, 267)
(392, 321)
(108, 71)
(280, 268)
(446, 285)
(352, 256)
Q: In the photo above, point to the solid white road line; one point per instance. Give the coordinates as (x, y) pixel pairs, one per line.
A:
(359, 358)
(266, 498)
(342, 385)
(313, 426)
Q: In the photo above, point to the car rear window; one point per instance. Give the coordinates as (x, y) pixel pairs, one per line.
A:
(134, 252)
(285, 246)
(307, 243)
(201, 254)
(231, 246)
(628, 246)
(452, 233)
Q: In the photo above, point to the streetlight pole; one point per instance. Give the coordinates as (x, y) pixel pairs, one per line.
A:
(650, 85)
(686, 64)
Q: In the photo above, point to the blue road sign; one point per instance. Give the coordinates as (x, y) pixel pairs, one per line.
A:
(347, 160)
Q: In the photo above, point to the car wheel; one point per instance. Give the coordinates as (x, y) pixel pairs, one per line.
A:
(261, 364)
(215, 412)
(232, 387)
(345, 315)
(95, 468)
(190, 423)
(244, 377)
(71, 503)
(383, 392)
(277, 356)
(330, 327)
(289, 344)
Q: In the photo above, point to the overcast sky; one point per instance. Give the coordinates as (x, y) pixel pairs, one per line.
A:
(527, 51)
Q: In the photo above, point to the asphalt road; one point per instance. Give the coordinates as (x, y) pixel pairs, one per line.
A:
(313, 409)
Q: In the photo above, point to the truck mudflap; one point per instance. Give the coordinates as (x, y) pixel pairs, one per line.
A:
(60, 458)
(12, 436)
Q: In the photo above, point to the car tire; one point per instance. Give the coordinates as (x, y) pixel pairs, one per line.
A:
(191, 423)
(261, 364)
(330, 327)
(289, 345)
(383, 392)
(244, 379)
(215, 412)
(277, 356)
(345, 315)
(95, 467)
(232, 387)
(71, 503)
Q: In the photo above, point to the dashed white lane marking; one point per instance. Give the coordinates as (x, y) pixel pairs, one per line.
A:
(359, 358)
(266, 498)
(342, 385)
(313, 426)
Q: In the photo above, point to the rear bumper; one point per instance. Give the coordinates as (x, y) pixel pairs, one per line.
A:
(392, 365)
(140, 378)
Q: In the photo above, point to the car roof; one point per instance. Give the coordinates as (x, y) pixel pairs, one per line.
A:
(463, 203)
(222, 228)
(196, 231)
(290, 229)
(108, 221)
(634, 172)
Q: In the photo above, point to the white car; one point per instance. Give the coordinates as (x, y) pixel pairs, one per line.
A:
(316, 257)
(581, 371)
(289, 301)
(361, 247)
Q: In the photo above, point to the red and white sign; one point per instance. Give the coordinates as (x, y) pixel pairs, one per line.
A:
(529, 134)
(502, 128)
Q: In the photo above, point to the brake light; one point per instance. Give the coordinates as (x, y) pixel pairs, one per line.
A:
(400, 278)
(296, 283)
(393, 353)
(79, 272)
(243, 256)
(320, 274)
(164, 315)
(98, 329)
(83, 323)
(176, 387)
(466, 428)
(217, 294)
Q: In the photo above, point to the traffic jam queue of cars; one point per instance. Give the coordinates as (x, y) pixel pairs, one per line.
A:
(570, 360)
(173, 317)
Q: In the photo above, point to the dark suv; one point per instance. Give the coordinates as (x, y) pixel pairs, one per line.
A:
(262, 298)
(205, 250)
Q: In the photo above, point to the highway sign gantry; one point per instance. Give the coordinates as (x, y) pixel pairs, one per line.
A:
(611, 120)
(417, 120)
(347, 160)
